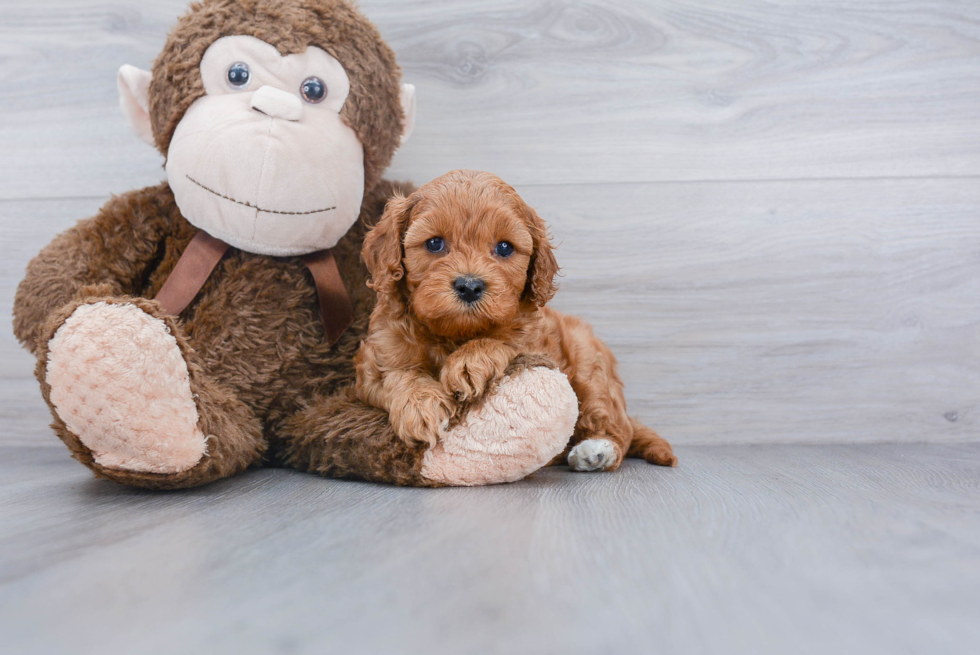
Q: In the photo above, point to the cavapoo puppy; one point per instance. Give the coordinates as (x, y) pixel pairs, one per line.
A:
(463, 268)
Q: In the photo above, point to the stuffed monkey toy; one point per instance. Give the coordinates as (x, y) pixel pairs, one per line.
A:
(195, 328)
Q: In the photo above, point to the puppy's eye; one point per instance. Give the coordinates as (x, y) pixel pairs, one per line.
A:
(239, 75)
(435, 244)
(504, 249)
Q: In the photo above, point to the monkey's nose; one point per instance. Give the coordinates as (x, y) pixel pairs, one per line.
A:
(469, 288)
(277, 103)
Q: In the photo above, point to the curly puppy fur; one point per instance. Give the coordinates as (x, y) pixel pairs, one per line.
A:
(432, 347)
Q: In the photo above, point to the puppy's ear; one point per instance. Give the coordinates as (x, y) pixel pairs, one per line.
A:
(543, 268)
(382, 251)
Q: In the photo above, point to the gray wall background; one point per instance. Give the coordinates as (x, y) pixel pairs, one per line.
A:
(769, 210)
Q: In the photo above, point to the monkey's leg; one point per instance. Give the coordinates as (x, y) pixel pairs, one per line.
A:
(131, 402)
(515, 429)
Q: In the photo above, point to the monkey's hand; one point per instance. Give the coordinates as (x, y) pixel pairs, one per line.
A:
(474, 366)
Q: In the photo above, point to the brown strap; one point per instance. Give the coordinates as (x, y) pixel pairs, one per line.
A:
(205, 251)
(191, 272)
(336, 310)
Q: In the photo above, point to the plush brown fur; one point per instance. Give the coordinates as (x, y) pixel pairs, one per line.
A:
(268, 388)
(253, 338)
(427, 349)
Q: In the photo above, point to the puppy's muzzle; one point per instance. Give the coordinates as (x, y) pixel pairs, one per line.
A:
(469, 288)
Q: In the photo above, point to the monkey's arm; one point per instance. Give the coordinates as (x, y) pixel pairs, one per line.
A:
(340, 437)
(113, 251)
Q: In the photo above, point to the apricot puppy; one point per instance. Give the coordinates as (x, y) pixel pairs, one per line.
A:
(463, 269)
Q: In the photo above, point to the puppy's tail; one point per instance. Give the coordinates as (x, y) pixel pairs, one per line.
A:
(650, 446)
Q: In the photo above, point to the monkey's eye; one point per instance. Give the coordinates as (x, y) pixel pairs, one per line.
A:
(504, 249)
(313, 90)
(435, 244)
(238, 75)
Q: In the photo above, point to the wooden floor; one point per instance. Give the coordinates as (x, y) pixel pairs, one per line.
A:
(770, 210)
(742, 549)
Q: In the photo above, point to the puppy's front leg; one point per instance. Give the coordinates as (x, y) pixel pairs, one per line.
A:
(473, 366)
(418, 407)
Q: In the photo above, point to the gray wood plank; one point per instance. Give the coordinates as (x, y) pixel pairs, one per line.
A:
(557, 92)
(768, 549)
(829, 311)
(807, 312)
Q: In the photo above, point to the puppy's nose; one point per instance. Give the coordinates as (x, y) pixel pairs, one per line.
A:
(469, 288)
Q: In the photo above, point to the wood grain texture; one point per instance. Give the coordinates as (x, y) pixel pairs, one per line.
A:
(557, 91)
(769, 549)
(824, 311)
(738, 245)
(726, 184)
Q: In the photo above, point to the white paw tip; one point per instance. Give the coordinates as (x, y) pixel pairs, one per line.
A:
(592, 455)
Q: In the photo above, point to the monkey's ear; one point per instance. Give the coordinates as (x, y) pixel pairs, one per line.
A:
(408, 106)
(134, 99)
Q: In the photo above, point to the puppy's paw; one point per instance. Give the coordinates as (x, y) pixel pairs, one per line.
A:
(470, 370)
(464, 381)
(594, 455)
(424, 416)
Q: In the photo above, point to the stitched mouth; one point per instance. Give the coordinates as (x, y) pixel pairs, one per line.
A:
(248, 204)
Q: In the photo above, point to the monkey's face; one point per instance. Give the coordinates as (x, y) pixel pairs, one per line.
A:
(264, 160)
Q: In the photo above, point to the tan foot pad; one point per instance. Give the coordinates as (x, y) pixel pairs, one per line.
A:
(521, 427)
(119, 382)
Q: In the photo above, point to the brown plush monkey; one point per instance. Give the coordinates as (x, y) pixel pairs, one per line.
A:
(208, 324)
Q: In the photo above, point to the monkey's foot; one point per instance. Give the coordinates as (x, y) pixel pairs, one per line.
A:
(120, 383)
(519, 427)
